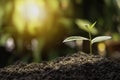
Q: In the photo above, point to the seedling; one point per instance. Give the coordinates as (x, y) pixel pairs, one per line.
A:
(92, 41)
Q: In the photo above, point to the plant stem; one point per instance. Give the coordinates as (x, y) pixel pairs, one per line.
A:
(90, 45)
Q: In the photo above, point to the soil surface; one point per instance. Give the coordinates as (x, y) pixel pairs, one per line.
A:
(78, 66)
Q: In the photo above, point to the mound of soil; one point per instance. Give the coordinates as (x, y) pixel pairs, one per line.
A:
(78, 66)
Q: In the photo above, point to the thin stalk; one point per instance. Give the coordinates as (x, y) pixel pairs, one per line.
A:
(90, 39)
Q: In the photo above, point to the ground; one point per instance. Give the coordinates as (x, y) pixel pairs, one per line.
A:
(78, 66)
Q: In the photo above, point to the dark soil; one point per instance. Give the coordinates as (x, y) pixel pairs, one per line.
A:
(78, 66)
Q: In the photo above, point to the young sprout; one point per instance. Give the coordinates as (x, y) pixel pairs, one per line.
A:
(92, 41)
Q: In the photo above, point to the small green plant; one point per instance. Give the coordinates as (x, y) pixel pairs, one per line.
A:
(92, 41)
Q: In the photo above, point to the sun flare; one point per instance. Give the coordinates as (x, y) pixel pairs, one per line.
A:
(30, 12)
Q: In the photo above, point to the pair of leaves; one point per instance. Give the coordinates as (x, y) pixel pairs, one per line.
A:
(88, 28)
(94, 40)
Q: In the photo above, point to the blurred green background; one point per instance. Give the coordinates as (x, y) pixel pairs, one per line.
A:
(33, 30)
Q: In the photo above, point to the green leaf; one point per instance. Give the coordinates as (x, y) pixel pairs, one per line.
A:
(85, 25)
(92, 25)
(88, 27)
(100, 38)
(73, 38)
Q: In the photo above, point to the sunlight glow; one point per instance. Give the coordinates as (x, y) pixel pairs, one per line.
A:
(30, 13)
